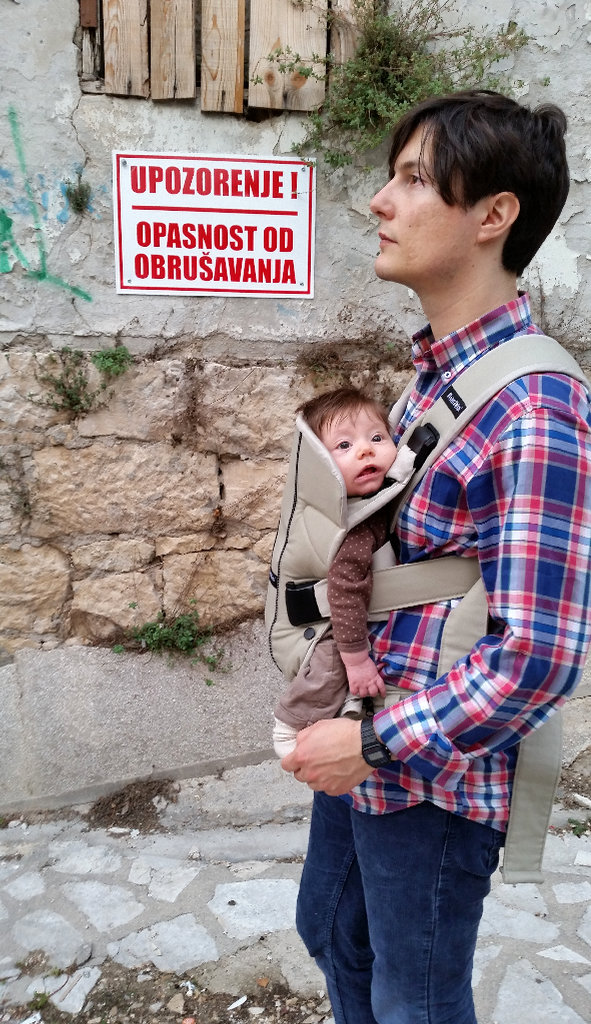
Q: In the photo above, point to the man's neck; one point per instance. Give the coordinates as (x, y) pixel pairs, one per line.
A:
(450, 312)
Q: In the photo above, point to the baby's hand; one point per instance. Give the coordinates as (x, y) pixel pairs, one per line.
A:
(362, 675)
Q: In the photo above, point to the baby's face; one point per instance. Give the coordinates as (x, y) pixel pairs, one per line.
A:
(362, 449)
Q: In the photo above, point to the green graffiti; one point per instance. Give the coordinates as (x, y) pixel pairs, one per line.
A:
(8, 243)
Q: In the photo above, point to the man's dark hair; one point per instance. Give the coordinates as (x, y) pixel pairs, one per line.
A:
(479, 143)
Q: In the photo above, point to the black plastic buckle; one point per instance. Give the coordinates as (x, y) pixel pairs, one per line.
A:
(422, 441)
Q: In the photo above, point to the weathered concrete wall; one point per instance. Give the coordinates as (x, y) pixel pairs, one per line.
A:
(171, 490)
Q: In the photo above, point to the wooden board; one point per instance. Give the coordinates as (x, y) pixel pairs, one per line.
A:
(278, 24)
(343, 31)
(125, 25)
(222, 55)
(88, 13)
(172, 49)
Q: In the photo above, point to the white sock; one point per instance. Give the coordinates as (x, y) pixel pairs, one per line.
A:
(284, 738)
(352, 707)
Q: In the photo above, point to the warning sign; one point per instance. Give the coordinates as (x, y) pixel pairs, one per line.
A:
(214, 225)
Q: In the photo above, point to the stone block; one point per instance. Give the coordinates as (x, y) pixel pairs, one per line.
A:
(122, 488)
(253, 408)
(143, 404)
(113, 555)
(225, 585)
(253, 489)
(33, 584)
(102, 608)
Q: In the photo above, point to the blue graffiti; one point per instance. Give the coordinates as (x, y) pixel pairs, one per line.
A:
(26, 204)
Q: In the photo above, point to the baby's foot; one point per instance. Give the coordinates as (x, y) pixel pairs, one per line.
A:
(284, 738)
(352, 708)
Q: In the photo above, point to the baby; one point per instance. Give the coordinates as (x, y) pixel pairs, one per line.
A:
(340, 673)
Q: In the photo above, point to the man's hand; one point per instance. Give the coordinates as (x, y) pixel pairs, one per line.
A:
(362, 675)
(328, 756)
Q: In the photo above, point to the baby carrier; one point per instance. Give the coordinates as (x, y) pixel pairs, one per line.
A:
(315, 517)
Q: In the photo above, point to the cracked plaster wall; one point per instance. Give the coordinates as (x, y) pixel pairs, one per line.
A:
(172, 490)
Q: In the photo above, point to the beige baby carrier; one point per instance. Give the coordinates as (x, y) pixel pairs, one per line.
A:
(315, 517)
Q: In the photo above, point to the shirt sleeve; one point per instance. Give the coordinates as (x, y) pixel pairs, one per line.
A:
(530, 502)
(350, 581)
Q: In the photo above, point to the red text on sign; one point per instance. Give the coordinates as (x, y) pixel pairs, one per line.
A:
(207, 181)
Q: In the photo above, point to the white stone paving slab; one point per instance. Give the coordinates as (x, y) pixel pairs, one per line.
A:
(67, 993)
(3, 912)
(483, 956)
(8, 969)
(572, 892)
(74, 857)
(256, 906)
(24, 887)
(563, 953)
(509, 922)
(561, 853)
(585, 981)
(165, 878)
(105, 906)
(46, 930)
(8, 870)
(176, 945)
(527, 997)
(584, 929)
(525, 896)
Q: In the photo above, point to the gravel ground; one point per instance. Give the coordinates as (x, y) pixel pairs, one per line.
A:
(124, 996)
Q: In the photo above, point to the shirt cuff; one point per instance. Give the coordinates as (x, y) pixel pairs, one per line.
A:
(411, 732)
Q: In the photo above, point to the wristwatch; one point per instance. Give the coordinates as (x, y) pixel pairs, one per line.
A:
(373, 751)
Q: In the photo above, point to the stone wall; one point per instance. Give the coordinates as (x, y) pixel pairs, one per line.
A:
(170, 490)
(168, 494)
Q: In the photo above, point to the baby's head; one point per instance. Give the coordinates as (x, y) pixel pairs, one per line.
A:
(353, 427)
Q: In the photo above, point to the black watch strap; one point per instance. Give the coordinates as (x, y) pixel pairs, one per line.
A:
(373, 751)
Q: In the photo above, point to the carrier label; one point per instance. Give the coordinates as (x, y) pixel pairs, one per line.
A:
(453, 401)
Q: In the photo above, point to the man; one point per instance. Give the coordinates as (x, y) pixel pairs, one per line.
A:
(400, 858)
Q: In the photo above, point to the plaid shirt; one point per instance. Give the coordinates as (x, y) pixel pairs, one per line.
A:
(514, 490)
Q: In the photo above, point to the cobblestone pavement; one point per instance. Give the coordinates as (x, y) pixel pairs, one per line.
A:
(204, 895)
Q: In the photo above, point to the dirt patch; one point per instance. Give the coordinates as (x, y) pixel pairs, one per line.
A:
(135, 806)
(124, 996)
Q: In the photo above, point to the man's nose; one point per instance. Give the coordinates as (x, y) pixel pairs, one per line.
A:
(381, 204)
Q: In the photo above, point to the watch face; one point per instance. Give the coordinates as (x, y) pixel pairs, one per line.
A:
(373, 751)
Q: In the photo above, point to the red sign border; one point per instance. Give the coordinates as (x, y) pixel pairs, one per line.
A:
(122, 288)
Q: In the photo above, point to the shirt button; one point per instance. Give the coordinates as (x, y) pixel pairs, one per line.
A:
(446, 375)
(309, 632)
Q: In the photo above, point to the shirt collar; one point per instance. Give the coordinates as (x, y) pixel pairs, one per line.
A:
(452, 353)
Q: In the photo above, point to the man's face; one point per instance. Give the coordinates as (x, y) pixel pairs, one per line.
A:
(424, 243)
(362, 449)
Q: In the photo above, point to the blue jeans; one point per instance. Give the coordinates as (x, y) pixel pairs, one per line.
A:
(389, 907)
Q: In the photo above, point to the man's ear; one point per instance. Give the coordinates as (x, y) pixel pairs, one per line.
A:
(499, 212)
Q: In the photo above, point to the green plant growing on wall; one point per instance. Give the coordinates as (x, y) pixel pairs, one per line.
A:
(180, 634)
(404, 55)
(78, 194)
(69, 389)
(112, 362)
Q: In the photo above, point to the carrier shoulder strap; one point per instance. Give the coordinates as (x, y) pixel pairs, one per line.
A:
(431, 433)
(539, 757)
(476, 385)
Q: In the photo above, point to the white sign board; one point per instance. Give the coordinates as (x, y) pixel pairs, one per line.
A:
(214, 225)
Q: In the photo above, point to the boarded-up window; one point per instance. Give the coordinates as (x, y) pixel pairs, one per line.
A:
(166, 49)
